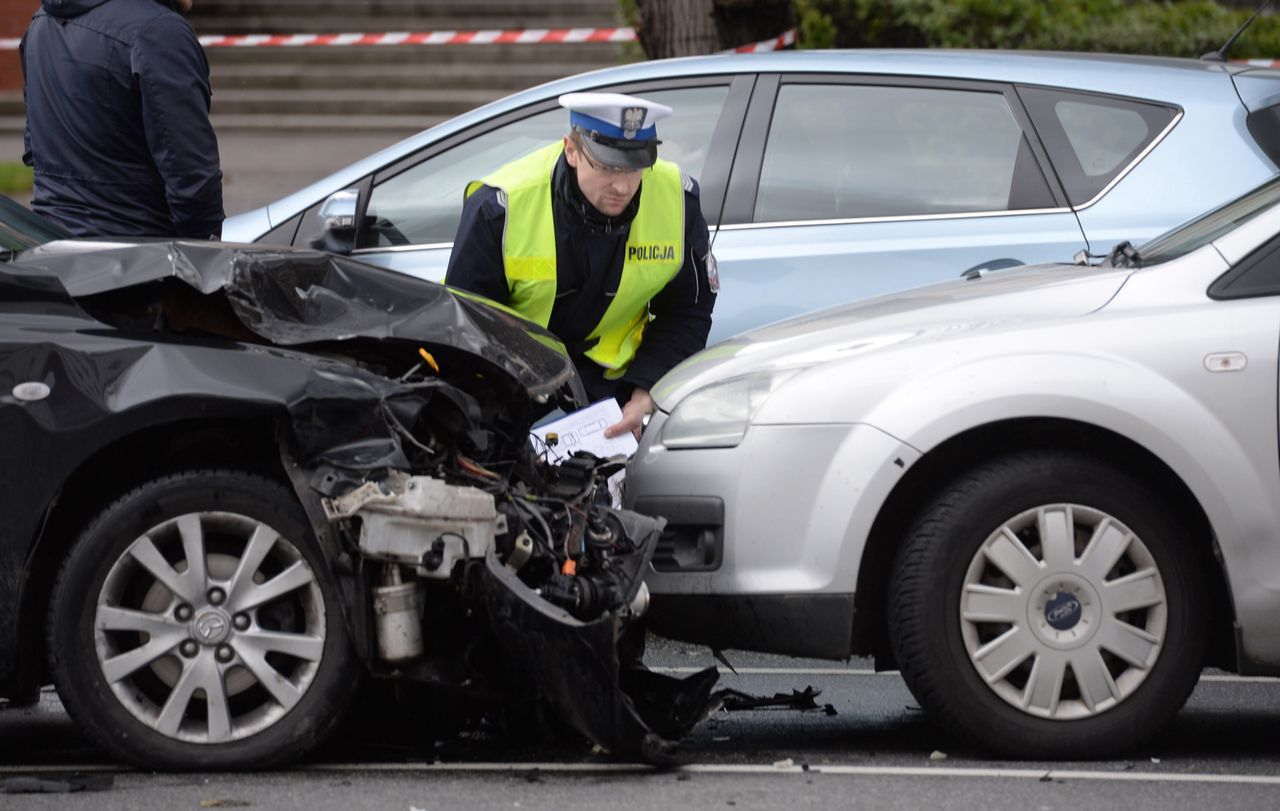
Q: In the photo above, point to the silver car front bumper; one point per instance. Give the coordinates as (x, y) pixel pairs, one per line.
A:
(765, 539)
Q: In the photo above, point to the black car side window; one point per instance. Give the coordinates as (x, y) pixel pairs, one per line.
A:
(1093, 139)
(1258, 274)
(840, 151)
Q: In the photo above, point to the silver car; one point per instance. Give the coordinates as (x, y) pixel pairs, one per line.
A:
(1047, 495)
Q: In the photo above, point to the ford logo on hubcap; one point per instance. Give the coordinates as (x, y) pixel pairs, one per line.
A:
(1063, 611)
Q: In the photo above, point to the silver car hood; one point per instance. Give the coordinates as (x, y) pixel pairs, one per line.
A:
(996, 300)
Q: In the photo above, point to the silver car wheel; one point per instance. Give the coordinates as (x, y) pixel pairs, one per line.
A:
(1063, 612)
(210, 627)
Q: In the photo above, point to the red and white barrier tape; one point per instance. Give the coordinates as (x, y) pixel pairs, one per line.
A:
(491, 37)
(783, 40)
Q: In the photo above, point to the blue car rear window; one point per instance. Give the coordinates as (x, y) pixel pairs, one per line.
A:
(1092, 139)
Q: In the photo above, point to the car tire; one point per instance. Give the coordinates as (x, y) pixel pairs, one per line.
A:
(240, 661)
(1048, 605)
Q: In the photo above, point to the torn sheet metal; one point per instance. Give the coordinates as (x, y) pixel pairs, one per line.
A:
(293, 296)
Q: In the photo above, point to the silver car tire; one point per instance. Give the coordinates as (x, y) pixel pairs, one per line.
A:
(1048, 605)
(195, 625)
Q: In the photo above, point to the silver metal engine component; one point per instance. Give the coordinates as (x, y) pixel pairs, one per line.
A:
(397, 611)
(424, 523)
(521, 552)
(640, 603)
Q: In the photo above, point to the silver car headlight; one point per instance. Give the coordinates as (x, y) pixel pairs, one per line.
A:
(717, 416)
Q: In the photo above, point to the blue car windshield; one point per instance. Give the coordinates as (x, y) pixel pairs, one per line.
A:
(1207, 227)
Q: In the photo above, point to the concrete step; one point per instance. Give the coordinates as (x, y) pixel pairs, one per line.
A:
(399, 89)
(353, 102)
(377, 78)
(403, 125)
(586, 54)
(11, 105)
(12, 125)
(302, 23)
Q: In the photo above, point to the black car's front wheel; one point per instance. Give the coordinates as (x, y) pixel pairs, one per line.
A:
(1048, 605)
(196, 625)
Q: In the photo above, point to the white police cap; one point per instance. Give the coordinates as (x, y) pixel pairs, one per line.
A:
(618, 130)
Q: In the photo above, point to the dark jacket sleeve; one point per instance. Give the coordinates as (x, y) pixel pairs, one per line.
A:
(476, 261)
(682, 310)
(173, 80)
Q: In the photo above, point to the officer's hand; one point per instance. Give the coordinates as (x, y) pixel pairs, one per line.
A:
(632, 414)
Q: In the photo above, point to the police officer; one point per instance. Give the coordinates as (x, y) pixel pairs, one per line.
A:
(596, 239)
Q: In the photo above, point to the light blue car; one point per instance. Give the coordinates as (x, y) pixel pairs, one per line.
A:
(830, 176)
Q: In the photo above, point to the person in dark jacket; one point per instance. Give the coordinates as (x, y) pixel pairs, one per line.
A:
(620, 267)
(117, 96)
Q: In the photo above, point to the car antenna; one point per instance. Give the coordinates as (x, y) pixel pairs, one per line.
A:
(1220, 55)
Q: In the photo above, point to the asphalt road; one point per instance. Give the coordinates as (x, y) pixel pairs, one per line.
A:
(876, 751)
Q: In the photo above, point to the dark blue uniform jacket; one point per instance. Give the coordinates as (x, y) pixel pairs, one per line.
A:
(117, 95)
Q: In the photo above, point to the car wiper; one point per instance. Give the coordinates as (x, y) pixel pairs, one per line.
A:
(1123, 255)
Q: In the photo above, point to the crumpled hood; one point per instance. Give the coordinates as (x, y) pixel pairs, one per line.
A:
(70, 8)
(292, 297)
(934, 313)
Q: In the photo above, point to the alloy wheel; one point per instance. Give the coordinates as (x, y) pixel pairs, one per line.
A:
(210, 627)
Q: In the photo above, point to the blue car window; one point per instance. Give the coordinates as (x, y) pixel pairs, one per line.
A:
(1101, 136)
(423, 204)
(848, 151)
(1092, 139)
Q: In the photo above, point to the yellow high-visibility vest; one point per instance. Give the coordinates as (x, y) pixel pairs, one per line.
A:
(653, 256)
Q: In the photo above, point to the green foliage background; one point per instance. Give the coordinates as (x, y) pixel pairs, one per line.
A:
(1168, 28)
(14, 178)
(1157, 27)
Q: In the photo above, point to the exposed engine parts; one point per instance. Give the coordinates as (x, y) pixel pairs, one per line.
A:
(422, 528)
(493, 581)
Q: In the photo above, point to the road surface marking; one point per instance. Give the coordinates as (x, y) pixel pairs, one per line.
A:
(741, 769)
(843, 671)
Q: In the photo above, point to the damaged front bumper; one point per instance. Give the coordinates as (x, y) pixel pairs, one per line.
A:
(556, 617)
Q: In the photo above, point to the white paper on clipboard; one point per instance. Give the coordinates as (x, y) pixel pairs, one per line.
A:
(583, 430)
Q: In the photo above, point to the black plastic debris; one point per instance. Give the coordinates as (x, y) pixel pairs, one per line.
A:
(736, 700)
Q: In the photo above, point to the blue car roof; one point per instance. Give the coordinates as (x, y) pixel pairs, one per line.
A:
(1176, 81)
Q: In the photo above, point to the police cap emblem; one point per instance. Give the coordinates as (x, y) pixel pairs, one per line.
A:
(632, 121)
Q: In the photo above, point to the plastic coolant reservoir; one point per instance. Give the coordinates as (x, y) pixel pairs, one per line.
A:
(425, 525)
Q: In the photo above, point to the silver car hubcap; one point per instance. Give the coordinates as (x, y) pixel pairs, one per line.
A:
(210, 627)
(1063, 611)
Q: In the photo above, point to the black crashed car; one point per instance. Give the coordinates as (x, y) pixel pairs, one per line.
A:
(235, 479)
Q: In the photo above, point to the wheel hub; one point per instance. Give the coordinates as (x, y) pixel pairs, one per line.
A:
(211, 626)
(1065, 611)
